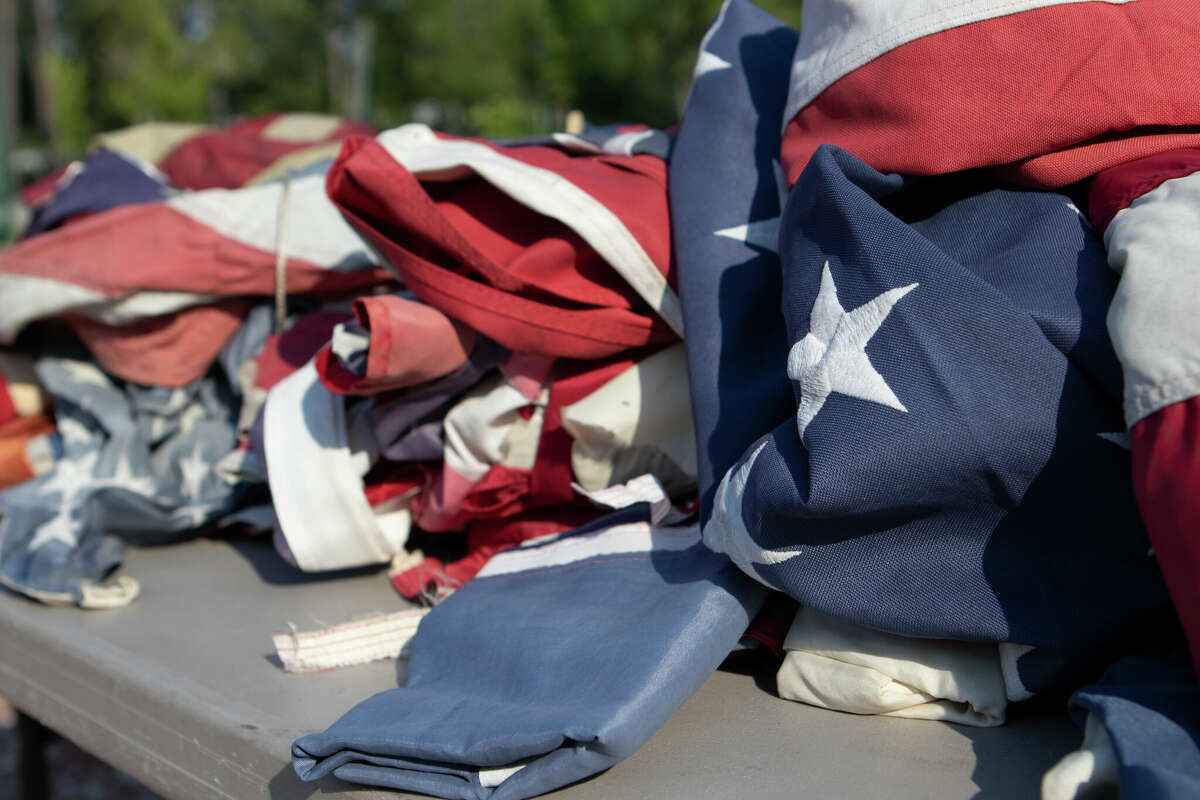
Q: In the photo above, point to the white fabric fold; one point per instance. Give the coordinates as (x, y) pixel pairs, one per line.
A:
(316, 480)
(640, 422)
(845, 667)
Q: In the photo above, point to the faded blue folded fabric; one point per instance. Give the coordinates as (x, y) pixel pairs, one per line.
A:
(1149, 704)
(558, 660)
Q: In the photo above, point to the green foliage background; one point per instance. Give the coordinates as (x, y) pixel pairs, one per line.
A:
(484, 67)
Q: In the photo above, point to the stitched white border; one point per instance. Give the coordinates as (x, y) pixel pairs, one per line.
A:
(420, 152)
(317, 491)
(1154, 319)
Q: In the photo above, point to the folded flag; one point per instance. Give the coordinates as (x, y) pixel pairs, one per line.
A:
(546, 251)
(951, 470)
(495, 707)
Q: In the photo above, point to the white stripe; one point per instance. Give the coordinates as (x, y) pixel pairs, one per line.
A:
(623, 144)
(839, 36)
(30, 297)
(419, 151)
(1154, 319)
(249, 216)
(315, 484)
(634, 537)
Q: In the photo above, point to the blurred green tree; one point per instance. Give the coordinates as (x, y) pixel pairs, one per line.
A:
(466, 66)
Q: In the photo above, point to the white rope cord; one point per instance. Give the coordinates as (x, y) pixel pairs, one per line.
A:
(281, 256)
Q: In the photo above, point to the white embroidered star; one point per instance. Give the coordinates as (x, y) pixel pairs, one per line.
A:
(708, 62)
(832, 356)
(726, 530)
(762, 233)
(74, 480)
(192, 471)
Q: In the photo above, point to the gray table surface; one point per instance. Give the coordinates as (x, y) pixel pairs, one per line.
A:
(182, 691)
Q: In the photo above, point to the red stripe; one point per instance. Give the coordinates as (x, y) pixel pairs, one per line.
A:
(1114, 189)
(1166, 479)
(154, 247)
(1054, 95)
(229, 157)
(553, 302)
(170, 350)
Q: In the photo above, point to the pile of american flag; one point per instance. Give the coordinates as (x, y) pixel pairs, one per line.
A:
(883, 366)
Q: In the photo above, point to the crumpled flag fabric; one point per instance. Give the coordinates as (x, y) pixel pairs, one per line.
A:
(397, 342)
(136, 460)
(98, 182)
(726, 197)
(140, 262)
(228, 157)
(950, 470)
(546, 251)
(507, 695)
(1149, 214)
(846, 667)
(1142, 722)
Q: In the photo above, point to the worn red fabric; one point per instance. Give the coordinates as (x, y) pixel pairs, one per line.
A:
(170, 350)
(283, 354)
(7, 411)
(39, 191)
(1166, 479)
(524, 280)
(411, 343)
(153, 247)
(1114, 189)
(228, 157)
(1120, 86)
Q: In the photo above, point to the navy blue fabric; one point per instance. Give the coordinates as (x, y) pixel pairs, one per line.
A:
(992, 506)
(569, 667)
(1150, 706)
(106, 180)
(722, 175)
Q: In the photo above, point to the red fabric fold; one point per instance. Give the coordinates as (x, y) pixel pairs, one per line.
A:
(522, 279)
(1122, 86)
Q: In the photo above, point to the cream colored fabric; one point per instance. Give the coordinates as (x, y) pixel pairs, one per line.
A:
(149, 141)
(639, 422)
(845, 667)
(301, 126)
(356, 642)
(1089, 772)
(294, 161)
